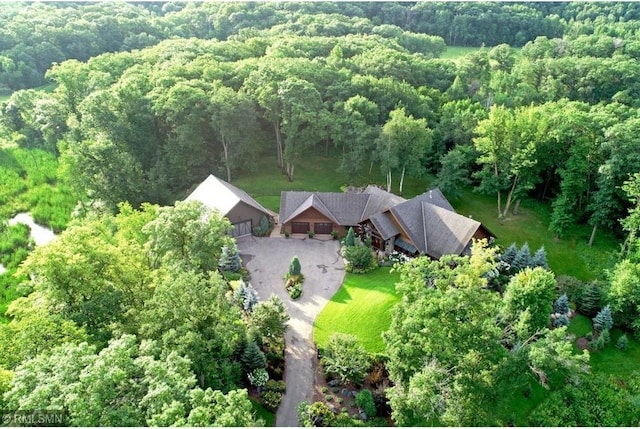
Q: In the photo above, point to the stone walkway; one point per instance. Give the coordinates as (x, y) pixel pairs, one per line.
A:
(267, 259)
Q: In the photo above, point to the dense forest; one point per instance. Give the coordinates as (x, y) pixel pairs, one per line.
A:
(111, 112)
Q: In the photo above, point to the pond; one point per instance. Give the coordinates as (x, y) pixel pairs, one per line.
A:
(41, 235)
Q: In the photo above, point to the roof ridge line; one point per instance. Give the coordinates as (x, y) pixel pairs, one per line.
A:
(424, 228)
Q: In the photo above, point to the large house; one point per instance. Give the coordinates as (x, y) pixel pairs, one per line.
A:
(235, 204)
(426, 224)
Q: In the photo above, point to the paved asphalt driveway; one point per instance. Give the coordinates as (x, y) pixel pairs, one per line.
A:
(267, 259)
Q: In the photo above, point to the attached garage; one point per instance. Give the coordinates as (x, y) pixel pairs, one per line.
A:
(241, 228)
(299, 227)
(322, 227)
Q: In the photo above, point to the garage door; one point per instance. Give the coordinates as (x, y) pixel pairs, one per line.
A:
(299, 227)
(322, 228)
(241, 228)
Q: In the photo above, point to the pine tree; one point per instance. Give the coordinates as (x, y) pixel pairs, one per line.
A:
(591, 299)
(252, 358)
(351, 238)
(561, 306)
(509, 254)
(603, 320)
(294, 267)
(230, 259)
(539, 259)
(247, 296)
(522, 259)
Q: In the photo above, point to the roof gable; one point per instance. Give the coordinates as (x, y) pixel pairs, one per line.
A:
(446, 232)
(217, 194)
(312, 201)
(379, 201)
(342, 208)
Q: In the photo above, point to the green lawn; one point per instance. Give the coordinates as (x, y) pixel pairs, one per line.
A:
(580, 326)
(453, 52)
(262, 413)
(568, 256)
(361, 307)
(614, 361)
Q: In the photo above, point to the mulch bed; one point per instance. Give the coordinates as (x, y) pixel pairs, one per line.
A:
(582, 343)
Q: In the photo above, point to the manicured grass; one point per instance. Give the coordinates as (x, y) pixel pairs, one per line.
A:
(614, 361)
(569, 256)
(262, 413)
(580, 326)
(269, 201)
(361, 307)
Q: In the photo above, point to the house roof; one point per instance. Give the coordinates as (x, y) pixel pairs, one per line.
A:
(385, 225)
(217, 194)
(341, 208)
(428, 220)
(447, 232)
(379, 201)
(433, 225)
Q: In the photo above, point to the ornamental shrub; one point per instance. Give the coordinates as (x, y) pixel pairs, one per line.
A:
(539, 259)
(230, 259)
(271, 400)
(603, 320)
(252, 358)
(365, 402)
(561, 305)
(360, 259)
(294, 268)
(247, 296)
(351, 238)
(258, 377)
(591, 299)
(560, 320)
(623, 342)
(346, 358)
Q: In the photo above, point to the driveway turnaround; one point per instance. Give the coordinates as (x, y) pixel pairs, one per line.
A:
(268, 259)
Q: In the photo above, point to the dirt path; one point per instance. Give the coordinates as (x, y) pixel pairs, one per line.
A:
(268, 260)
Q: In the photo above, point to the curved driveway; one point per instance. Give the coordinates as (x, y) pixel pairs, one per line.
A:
(267, 259)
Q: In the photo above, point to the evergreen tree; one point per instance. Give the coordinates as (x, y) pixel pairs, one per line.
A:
(561, 320)
(294, 267)
(509, 254)
(539, 259)
(522, 259)
(622, 342)
(230, 259)
(603, 320)
(252, 358)
(561, 305)
(351, 238)
(247, 296)
(591, 300)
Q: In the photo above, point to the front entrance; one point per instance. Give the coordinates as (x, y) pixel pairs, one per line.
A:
(241, 228)
(299, 227)
(322, 227)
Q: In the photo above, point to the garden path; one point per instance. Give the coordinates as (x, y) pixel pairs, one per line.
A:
(267, 259)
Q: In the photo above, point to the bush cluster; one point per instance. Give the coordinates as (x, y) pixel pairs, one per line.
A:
(264, 229)
(294, 279)
(272, 394)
